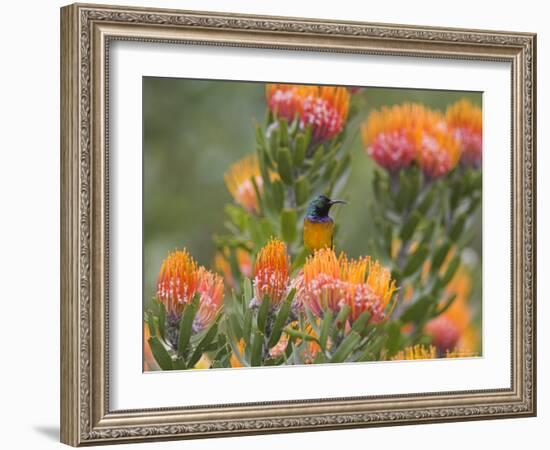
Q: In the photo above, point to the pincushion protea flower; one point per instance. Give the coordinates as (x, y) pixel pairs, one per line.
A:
(180, 278)
(465, 122)
(272, 273)
(325, 108)
(438, 151)
(388, 136)
(329, 282)
(396, 137)
(238, 180)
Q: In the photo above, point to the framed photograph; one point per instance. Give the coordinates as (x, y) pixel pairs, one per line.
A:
(277, 225)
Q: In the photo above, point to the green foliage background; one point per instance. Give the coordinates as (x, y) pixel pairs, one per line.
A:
(193, 130)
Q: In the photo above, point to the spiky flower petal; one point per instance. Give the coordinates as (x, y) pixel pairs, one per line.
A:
(325, 108)
(272, 273)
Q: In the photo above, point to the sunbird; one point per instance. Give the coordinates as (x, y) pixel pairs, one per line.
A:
(318, 225)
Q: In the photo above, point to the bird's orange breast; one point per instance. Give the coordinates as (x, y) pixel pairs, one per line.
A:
(318, 234)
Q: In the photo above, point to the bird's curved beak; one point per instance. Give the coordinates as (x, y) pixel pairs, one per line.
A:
(335, 202)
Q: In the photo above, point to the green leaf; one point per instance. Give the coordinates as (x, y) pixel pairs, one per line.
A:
(277, 195)
(394, 337)
(260, 137)
(204, 343)
(426, 202)
(257, 347)
(342, 316)
(247, 289)
(283, 132)
(346, 347)
(258, 194)
(162, 357)
(247, 326)
(299, 150)
(329, 170)
(451, 270)
(263, 312)
(361, 322)
(179, 364)
(274, 142)
(410, 226)
(302, 190)
(458, 227)
(343, 164)
(415, 260)
(289, 218)
(325, 328)
(439, 256)
(280, 320)
(186, 324)
(150, 319)
(317, 158)
(402, 196)
(300, 335)
(419, 310)
(284, 165)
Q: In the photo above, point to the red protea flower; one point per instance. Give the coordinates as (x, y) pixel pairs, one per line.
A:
(465, 121)
(325, 108)
(396, 137)
(271, 273)
(180, 278)
(328, 282)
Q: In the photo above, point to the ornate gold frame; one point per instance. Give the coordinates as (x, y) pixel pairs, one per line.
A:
(86, 31)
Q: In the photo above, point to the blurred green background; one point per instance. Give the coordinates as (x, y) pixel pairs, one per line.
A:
(193, 130)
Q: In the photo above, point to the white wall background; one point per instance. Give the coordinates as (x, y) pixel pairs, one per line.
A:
(29, 221)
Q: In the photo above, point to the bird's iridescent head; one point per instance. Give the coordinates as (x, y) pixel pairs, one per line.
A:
(320, 206)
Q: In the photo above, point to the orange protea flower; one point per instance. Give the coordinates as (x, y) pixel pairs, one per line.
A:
(222, 265)
(450, 329)
(325, 108)
(465, 121)
(180, 278)
(395, 137)
(388, 136)
(271, 272)
(438, 150)
(328, 282)
(238, 180)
